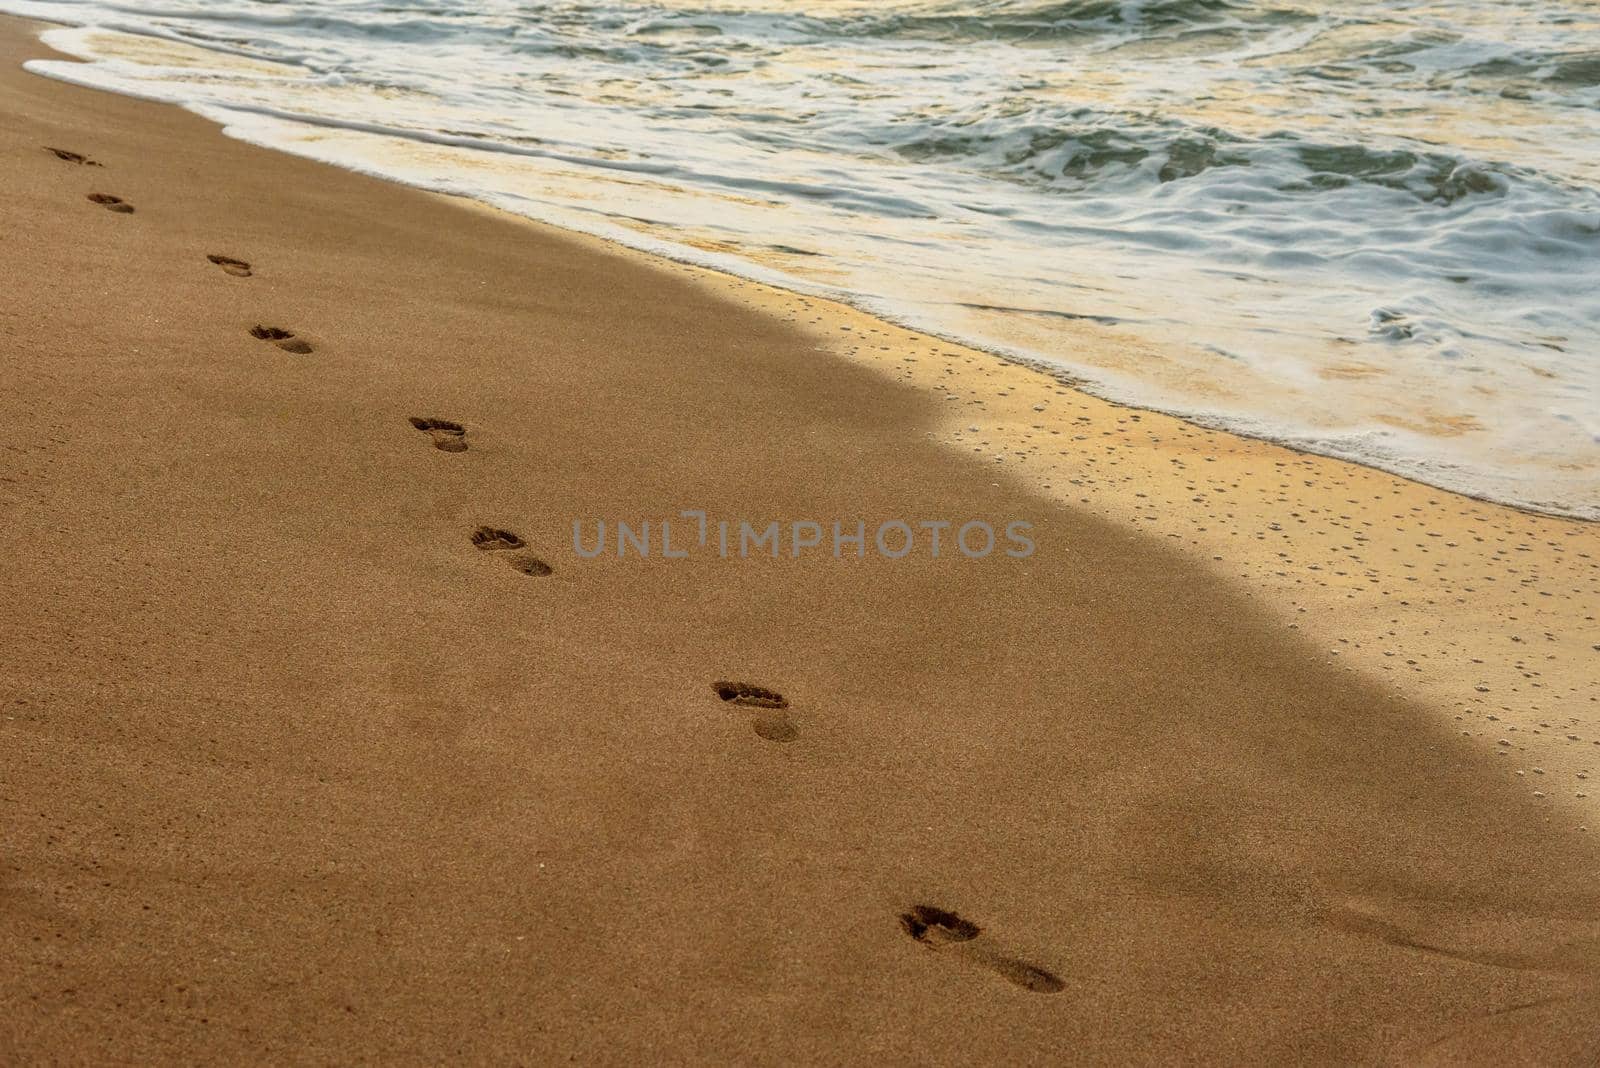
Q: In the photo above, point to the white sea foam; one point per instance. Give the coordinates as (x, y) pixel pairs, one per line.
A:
(1369, 229)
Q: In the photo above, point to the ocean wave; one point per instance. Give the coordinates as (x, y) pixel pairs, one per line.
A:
(1347, 223)
(1046, 22)
(1089, 150)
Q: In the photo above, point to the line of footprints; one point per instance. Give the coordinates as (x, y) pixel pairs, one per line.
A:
(935, 928)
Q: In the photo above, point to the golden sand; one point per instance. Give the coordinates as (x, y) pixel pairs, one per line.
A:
(1488, 615)
(1485, 614)
(322, 743)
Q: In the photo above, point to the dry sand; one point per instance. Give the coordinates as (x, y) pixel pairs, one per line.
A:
(295, 771)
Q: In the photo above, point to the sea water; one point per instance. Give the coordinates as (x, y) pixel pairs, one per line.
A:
(1365, 228)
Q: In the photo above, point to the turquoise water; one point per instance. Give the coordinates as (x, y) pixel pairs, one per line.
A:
(1367, 229)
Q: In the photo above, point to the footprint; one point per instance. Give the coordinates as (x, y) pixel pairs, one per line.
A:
(237, 268)
(935, 927)
(447, 436)
(771, 723)
(72, 157)
(284, 339)
(941, 930)
(111, 203)
(742, 693)
(495, 540)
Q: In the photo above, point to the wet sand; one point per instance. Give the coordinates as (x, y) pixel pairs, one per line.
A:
(1488, 615)
(308, 760)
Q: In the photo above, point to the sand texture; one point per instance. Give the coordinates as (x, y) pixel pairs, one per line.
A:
(321, 743)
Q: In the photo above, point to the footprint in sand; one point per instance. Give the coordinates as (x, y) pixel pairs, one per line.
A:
(111, 203)
(229, 265)
(772, 722)
(948, 933)
(495, 540)
(71, 157)
(284, 339)
(447, 436)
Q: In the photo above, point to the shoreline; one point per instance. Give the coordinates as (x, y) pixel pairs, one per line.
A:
(1061, 374)
(311, 762)
(1097, 378)
(1458, 648)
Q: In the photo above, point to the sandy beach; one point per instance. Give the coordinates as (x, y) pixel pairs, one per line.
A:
(323, 744)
